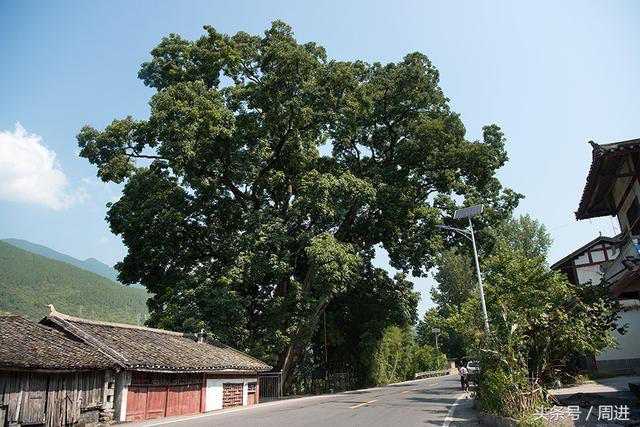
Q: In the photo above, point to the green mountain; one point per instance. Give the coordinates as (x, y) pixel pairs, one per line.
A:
(28, 282)
(89, 264)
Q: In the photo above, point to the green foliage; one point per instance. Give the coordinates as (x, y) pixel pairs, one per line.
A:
(233, 219)
(396, 357)
(524, 235)
(90, 264)
(540, 322)
(457, 281)
(509, 394)
(354, 330)
(426, 358)
(28, 282)
(556, 319)
(393, 358)
(448, 339)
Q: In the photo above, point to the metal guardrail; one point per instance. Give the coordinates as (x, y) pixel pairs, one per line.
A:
(429, 374)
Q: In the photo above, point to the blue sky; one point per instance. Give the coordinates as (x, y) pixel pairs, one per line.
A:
(552, 74)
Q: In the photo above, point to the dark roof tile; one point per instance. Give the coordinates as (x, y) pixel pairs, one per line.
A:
(139, 347)
(25, 344)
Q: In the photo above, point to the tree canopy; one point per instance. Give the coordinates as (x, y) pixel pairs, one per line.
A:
(524, 235)
(266, 175)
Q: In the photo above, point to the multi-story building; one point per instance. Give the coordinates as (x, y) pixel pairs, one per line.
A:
(613, 189)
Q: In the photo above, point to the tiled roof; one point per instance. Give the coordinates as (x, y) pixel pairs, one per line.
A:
(138, 347)
(25, 344)
(596, 197)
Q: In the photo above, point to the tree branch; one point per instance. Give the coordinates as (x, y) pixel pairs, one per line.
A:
(237, 194)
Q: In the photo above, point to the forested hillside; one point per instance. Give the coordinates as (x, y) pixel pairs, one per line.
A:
(28, 282)
(89, 264)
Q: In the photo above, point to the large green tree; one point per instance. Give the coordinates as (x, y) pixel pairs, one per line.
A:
(266, 174)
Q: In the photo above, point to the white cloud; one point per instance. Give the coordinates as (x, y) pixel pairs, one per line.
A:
(30, 173)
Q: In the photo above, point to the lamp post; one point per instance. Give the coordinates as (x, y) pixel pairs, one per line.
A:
(469, 213)
(436, 331)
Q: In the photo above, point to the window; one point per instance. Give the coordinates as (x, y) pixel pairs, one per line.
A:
(597, 256)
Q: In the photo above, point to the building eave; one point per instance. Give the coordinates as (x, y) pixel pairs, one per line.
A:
(597, 200)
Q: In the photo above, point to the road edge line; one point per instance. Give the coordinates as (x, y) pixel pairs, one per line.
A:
(452, 409)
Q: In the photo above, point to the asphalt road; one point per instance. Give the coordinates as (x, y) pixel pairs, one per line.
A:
(428, 402)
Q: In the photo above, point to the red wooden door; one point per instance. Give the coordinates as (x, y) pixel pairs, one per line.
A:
(136, 403)
(184, 399)
(156, 402)
(155, 395)
(191, 398)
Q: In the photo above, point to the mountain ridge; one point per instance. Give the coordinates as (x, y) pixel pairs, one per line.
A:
(28, 282)
(90, 264)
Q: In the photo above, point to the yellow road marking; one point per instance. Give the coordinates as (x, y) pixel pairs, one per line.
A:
(362, 404)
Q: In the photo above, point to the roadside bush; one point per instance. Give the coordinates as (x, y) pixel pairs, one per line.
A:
(426, 358)
(509, 394)
(539, 322)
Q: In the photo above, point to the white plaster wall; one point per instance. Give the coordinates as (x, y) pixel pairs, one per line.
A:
(213, 398)
(582, 259)
(629, 343)
(123, 379)
(589, 272)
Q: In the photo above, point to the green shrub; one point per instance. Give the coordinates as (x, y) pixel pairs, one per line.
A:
(393, 358)
(509, 394)
(425, 358)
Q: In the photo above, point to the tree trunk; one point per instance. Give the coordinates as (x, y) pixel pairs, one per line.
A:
(288, 364)
(290, 358)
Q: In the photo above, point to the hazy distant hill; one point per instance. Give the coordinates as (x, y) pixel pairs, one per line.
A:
(89, 264)
(28, 282)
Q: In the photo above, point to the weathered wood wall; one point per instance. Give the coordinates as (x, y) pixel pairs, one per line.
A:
(50, 399)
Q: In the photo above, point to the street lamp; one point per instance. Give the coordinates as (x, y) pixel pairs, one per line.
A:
(469, 213)
(436, 331)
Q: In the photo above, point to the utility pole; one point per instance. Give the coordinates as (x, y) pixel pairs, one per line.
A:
(475, 256)
(468, 213)
(436, 331)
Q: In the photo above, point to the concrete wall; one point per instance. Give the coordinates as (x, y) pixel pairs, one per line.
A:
(214, 391)
(123, 379)
(627, 355)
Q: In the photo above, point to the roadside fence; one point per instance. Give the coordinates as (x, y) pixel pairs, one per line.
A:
(270, 386)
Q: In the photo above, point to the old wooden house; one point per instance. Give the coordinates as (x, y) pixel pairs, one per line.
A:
(48, 377)
(139, 373)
